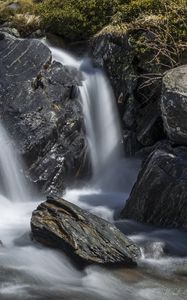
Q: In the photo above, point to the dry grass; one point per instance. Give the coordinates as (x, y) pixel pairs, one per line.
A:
(26, 23)
(23, 18)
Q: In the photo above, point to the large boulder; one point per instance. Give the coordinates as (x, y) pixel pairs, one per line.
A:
(159, 196)
(40, 106)
(83, 236)
(174, 104)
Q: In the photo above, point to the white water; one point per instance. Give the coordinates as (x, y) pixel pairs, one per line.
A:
(101, 119)
(100, 114)
(13, 182)
(29, 271)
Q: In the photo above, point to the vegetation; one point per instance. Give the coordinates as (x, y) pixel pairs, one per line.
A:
(76, 19)
(21, 14)
(157, 29)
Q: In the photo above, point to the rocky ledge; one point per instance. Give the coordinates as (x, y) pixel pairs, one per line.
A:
(40, 107)
(81, 235)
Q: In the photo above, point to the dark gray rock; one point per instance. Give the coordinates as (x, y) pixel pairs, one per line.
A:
(83, 236)
(159, 196)
(40, 106)
(174, 104)
(131, 145)
(149, 127)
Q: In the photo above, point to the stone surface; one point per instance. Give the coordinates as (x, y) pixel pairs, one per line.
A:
(174, 104)
(159, 196)
(40, 106)
(83, 236)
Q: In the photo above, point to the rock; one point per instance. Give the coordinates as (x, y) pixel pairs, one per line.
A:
(83, 236)
(174, 104)
(131, 145)
(14, 6)
(159, 196)
(9, 30)
(149, 128)
(37, 34)
(161, 145)
(40, 106)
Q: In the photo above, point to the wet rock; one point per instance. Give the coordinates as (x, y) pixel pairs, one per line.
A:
(83, 236)
(149, 125)
(161, 145)
(40, 106)
(131, 145)
(159, 196)
(174, 104)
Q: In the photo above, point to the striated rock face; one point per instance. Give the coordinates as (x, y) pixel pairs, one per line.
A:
(159, 196)
(40, 106)
(174, 104)
(137, 91)
(83, 236)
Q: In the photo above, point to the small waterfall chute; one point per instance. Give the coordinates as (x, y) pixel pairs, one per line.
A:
(101, 118)
(13, 181)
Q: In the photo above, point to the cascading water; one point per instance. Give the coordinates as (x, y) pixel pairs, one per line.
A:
(29, 271)
(103, 132)
(12, 178)
(100, 114)
(101, 119)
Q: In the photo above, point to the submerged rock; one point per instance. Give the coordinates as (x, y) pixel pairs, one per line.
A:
(174, 104)
(83, 236)
(159, 196)
(40, 106)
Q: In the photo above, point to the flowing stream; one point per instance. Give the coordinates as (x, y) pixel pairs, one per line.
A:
(30, 271)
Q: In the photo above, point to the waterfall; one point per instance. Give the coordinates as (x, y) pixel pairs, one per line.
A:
(101, 120)
(29, 271)
(100, 115)
(13, 182)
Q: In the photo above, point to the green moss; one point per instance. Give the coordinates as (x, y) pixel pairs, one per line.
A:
(76, 19)
(135, 8)
(5, 11)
